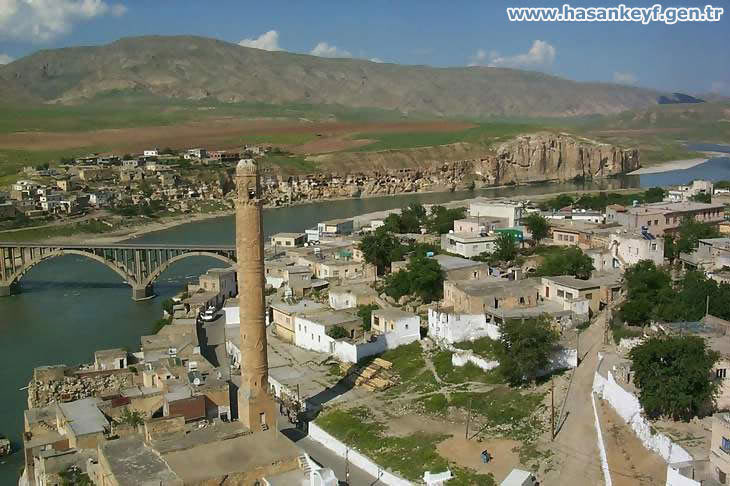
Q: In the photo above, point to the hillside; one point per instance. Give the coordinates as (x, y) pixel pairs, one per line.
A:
(194, 68)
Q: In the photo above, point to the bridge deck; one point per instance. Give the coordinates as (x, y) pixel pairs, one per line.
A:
(119, 246)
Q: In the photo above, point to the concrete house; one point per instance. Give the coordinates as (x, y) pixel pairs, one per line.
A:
(456, 268)
(664, 217)
(282, 316)
(350, 296)
(566, 289)
(402, 327)
(289, 240)
(110, 359)
(510, 211)
(468, 244)
(335, 227)
(219, 280)
(310, 330)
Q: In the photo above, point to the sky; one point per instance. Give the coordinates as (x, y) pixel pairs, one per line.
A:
(690, 57)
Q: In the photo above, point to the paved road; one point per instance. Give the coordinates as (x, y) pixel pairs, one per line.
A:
(327, 458)
(576, 442)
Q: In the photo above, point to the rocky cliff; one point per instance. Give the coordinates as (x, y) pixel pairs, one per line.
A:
(525, 159)
(559, 157)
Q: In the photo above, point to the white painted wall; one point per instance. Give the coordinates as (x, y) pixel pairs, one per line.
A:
(674, 478)
(360, 460)
(342, 300)
(601, 447)
(629, 408)
(453, 328)
(461, 358)
(311, 335)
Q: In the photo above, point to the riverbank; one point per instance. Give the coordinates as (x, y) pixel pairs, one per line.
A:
(669, 166)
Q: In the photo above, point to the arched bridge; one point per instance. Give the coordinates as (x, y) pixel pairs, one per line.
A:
(137, 265)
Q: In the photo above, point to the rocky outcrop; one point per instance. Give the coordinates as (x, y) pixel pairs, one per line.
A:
(525, 159)
(69, 388)
(551, 157)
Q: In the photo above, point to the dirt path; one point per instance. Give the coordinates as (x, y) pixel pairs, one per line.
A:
(575, 447)
(629, 461)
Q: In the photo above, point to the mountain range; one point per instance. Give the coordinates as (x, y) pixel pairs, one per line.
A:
(196, 68)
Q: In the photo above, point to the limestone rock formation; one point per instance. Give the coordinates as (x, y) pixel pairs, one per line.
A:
(554, 157)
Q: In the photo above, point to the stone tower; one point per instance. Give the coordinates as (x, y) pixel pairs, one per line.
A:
(256, 408)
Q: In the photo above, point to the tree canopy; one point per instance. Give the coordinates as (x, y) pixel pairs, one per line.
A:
(381, 248)
(566, 261)
(414, 217)
(525, 348)
(505, 248)
(422, 277)
(599, 201)
(673, 376)
(537, 225)
(441, 220)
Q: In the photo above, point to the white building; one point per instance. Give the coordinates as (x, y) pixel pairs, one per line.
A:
(629, 248)
(468, 244)
(685, 193)
(402, 327)
(310, 330)
(452, 328)
(151, 153)
(350, 296)
(509, 210)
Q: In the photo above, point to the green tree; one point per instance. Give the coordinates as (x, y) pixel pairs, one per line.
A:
(365, 312)
(442, 220)
(538, 226)
(558, 202)
(702, 197)
(566, 261)
(690, 231)
(408, 221)
(505, 248)
(648, 288)
(381, 248)
(655, 194)
(673, 376)
(337, 332)
(131, 417)
(422, 277)
(525, 348)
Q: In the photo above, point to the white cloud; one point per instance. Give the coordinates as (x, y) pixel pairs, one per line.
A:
(624, 78)
(376, 59)
(325, 50)
(5, 59)
(42, 20)
(268, 41)
(540, 55)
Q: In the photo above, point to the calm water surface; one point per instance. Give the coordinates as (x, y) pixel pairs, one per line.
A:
(70, 306)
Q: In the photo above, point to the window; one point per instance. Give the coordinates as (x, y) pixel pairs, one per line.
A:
(648, 223)
(522, 300)
(725, 446)
(656, 222)
(589, 296)
(653, 247)
(721, 373)
(561, 293)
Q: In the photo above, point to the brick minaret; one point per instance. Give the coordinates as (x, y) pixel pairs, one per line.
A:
(256, 409)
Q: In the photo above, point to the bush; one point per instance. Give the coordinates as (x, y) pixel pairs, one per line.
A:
(337, 332)
(365, 312)
(436, 404)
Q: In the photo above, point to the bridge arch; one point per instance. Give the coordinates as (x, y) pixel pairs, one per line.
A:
(15, 277)
(167, 264)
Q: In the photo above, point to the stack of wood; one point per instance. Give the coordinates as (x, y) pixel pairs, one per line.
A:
(376, 376)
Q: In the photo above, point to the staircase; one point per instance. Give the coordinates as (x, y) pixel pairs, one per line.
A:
(304, 464)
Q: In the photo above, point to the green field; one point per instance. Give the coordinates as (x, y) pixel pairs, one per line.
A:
(483, 133)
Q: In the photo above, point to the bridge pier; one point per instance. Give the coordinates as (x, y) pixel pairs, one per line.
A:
(142, 293)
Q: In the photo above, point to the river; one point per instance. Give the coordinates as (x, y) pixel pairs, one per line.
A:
(69, 307)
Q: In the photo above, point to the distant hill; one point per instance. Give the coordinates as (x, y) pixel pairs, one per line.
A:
(678, 98)
(195, 68)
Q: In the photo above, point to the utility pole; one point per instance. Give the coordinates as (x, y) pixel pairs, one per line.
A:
(347, 466)
(552, 409)
(577, 348)
(468, 419)
(707, 306)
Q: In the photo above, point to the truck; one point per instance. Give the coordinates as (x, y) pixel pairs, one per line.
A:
(518, 477)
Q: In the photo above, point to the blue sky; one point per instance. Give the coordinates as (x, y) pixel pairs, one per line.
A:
(690, 57)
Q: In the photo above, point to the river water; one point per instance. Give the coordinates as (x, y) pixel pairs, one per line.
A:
(70, 306)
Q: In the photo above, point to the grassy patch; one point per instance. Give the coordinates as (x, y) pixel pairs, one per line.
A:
(467, 477)
(484, 347)
(620, 332)
(436, 404)
(61, 230)
(282, 138)
(409, 364)
(484, 133)
(293, 163)
(460, 374)
(505, 410)
(409, 456)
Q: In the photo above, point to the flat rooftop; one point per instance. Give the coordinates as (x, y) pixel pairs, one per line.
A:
(448, 262)
(574, 283)
(472, 237)
(393, 314)
(289, 235)
(329, 318)
(84, 416)
(132, 462)
(304, 305)
(356, 289)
